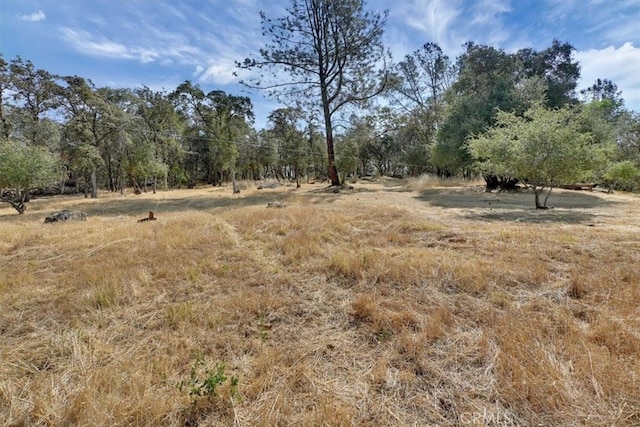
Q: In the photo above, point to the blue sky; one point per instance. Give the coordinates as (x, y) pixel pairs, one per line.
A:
(161, 43)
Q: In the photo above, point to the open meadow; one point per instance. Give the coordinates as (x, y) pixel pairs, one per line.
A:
(392, 303)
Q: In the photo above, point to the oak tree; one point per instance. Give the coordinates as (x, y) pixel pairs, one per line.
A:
(544, 148)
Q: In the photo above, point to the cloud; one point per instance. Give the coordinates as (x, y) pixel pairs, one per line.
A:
(82, 42)
(620, 65)
(34, 17)
(451, 23)
(220, 73)
(486, 12)
(435, 19)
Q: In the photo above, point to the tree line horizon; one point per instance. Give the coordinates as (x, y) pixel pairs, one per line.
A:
(349, 111)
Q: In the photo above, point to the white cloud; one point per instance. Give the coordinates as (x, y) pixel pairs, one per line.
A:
(164, 49)
(435, 19)
(220, 73)
(34, 17)
(559, 9)
(451, 23)
(486, 12)
(620, 65)
(82, 42)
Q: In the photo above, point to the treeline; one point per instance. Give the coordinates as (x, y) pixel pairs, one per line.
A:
(436, 105)
(65, 134)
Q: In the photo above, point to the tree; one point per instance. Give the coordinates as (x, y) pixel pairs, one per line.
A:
(624, 174)
(545, 148)
(159, 126)
(24, 168)
(424, 77)
(293, 149)
(557, 67)
(216, 121)
(603, 89)
(94, 117)
(629, 136)
(333, 54)
(35, 93)
(486, 83)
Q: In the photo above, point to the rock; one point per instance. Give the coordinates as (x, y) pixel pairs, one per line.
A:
(66, 215)
(269, 185)
(275, 205)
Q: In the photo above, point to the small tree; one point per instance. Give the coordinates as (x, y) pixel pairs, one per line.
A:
(544, 149)
(23, 168)
(624, 174)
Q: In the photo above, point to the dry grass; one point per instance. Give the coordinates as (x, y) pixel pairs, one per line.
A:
(394, 303)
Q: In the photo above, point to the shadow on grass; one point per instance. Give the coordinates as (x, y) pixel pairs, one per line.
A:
(564, 206)
(163, 202)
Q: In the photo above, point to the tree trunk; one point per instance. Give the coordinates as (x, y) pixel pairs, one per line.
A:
(94, 183)
(537, 191)
(110, 172)
(333, 171)
(492, 183)
(234, 184)
(19, 206)
(547, 197)
(62, 182)
(17, 201)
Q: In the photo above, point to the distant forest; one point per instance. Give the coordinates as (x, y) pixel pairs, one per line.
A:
(63, 134)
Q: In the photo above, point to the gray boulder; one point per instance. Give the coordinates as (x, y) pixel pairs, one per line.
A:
(66, 215)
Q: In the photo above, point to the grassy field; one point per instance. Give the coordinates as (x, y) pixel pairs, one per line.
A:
(392, 303)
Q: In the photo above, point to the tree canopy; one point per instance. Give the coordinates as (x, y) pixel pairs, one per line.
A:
(545, 148)
(326, 61)
(23, 168)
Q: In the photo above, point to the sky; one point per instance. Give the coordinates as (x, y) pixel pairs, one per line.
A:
(162, 43)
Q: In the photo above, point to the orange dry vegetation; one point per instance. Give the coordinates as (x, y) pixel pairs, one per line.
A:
(390, 304)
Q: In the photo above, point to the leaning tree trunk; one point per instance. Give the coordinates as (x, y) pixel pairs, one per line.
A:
(16, 201)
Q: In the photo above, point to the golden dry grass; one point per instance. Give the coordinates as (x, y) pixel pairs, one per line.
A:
(390, 304)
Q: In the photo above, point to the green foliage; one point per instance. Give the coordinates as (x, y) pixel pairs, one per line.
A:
(206, 382)
(34, 93)
(545, 148)
(292, 146)
(485, 84)
(557, 67)
(25, 167)
(347, 155)
(215, 122)
(490, 80)
(623, 174)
